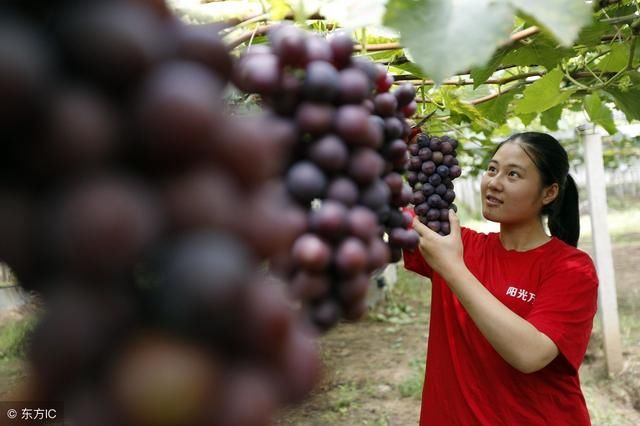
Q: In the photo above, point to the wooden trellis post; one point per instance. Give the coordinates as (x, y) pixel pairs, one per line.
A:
(607, 302)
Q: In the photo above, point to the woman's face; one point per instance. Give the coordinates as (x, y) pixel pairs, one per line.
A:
(511, 187)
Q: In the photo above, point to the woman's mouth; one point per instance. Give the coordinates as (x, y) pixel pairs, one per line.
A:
(493, 201)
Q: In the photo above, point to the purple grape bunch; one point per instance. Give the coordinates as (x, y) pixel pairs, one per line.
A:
(432, 168)
(345, 169)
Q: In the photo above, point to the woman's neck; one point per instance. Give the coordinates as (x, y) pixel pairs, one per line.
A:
(523, 237)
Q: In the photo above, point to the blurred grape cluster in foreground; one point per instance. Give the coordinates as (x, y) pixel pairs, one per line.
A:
(188, 256)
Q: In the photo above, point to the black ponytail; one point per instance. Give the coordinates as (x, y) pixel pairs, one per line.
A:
(552, 162)
(564, 214)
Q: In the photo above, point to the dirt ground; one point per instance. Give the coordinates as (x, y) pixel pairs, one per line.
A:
(374, 368)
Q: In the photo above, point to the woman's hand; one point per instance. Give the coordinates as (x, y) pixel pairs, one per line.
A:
(443, 253)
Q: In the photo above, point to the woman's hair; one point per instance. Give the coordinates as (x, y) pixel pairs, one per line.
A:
(553, 164)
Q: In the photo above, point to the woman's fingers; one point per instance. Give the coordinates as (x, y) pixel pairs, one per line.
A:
(454, 222)
(425, 233)
(419, 226)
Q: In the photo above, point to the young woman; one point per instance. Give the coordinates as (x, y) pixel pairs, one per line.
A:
(511, 312)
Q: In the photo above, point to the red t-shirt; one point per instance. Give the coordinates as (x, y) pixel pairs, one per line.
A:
(467, 382)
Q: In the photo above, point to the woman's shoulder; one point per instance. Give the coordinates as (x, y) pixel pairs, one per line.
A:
(564, 251)
(563, 256)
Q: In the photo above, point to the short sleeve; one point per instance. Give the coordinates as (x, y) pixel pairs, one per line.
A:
(413, 261)
(566, 304)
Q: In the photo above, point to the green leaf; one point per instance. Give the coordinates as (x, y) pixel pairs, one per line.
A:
(496, 109)
(527, 118)
(462, 111)
(592, 33)
(384, 55)
(412, 69)
(481, 74)
(615, 60)
(468, 93)
(446, 37)
(563, 19)
(634, 77)
(543, 94)
(628, 101)
(550, 117)
(599, 113)
(542, 51)
(425, 108)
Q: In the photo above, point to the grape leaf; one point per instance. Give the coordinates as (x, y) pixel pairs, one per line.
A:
(412, 69)
(628, 101)
(481, 74)
(496, 109)
(634, 78)
(599, 113)
(463, 111)
(563, 19)
(384, 56)
(447, 37)
(527, 118)
(469, 94)
(592, 33)
(542, 51)
(615, 60)
(543, 94)
(550, 117)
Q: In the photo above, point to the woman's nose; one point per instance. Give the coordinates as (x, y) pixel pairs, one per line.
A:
(495, 182)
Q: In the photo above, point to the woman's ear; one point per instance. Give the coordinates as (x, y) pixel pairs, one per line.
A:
(550, 193)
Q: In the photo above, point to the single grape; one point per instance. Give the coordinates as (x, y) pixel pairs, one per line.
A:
(330, 220)
(315, 118)
(343, 190)
(427, 167)
(342, 48)
(289, 44)
(311, 253)
(437, 157)
(362, 223)
(428, 189)
(352, 124)
(329, 153)
(365, 165)
(394, 182)
(353, 86)
(435, 179)
(351, 257)
(376, 195)
(385, 104)
(320, 82)
(306, 181)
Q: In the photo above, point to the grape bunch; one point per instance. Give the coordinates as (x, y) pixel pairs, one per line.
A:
(134, 204)
(345, 169)
(432, 167)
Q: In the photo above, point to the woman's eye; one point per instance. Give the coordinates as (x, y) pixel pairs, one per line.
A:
(516, 174)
